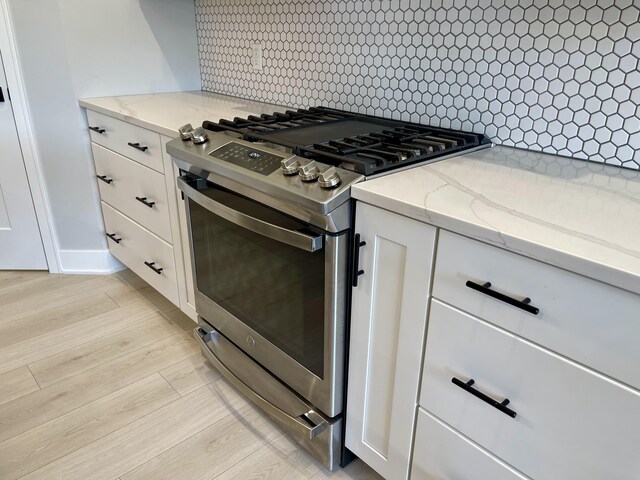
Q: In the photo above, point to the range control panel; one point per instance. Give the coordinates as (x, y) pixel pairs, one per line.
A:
(247, 157)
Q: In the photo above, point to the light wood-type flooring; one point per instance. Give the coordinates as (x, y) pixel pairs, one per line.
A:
(100, 378)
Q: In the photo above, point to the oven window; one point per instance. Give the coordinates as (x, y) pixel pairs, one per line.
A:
(274, 288)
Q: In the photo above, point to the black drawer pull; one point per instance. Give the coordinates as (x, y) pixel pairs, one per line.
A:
(137, 146)
(97, 130)
(114, 237)
(357, 245)
(521, 304)
(145, 201)
(468, 386)
(104, 178)
(152, 266)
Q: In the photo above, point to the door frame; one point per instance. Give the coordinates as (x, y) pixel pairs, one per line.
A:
(27, 139)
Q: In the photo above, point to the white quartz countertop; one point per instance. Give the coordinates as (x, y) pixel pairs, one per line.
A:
(581, 216)
(166, 112)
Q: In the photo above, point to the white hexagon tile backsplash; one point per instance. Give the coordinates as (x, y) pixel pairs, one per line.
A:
(550, 75)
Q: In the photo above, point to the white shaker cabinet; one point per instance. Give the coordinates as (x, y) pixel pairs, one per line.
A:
(388, 323)
(560, 347)
(142, 210)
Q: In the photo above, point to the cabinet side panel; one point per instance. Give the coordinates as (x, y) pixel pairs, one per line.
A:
(385, 325)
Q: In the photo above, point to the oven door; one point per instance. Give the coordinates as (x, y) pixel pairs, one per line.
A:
(274, 286)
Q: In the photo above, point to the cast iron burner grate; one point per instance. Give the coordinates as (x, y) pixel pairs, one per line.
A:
(362, 143)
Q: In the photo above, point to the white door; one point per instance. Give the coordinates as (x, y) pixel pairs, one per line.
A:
(20, 241)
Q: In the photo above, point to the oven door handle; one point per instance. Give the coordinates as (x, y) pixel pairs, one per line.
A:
(310, 424)
(295, 239)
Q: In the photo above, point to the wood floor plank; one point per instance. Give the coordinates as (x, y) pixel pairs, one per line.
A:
(106, 348)
(23, 285)
(42, 445)
(9, 278)
(211, 451)
(126, 394)
(137, 443)
(124, 294)
(45, 404)
(54, 318)
(279, 460)
(190, 374)
(16, 383)
(41, 304)
(40, 346)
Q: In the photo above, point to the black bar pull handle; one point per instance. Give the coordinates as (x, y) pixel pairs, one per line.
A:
(137, 146)
(468, 386)
(357, 245)
(97, 130)
(145, 201)
(152, 266)
(485, 288)
(1, 96)
(114, 237)
(104, 178)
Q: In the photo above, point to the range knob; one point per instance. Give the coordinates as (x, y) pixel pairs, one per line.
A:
(290, 166)
(185, 132)
(329, 178)
(199, 135)
(309, 171)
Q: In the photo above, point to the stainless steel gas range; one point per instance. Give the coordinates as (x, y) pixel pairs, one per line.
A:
(270, 228)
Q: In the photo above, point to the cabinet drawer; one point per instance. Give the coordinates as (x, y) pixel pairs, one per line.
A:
(118, 135)
(136, 246)
(441, 453)
(588, 321)
(571, 423)
(130, 182)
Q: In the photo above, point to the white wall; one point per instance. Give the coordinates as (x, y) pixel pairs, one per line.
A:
(69, 49)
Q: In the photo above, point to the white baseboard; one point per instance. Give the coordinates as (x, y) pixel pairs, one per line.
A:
(89, 262)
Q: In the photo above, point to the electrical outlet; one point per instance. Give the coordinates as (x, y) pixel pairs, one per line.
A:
(256, 57)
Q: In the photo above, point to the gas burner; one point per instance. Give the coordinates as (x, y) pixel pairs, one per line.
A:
(360, 143)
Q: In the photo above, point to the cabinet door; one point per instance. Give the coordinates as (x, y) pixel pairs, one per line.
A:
(388, 320)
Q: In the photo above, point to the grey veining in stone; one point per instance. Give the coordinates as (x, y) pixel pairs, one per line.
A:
(583, 217)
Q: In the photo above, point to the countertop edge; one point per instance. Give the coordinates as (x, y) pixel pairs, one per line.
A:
(556, 258)
(126, 118)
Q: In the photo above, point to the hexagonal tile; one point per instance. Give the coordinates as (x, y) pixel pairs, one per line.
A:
(542, 75)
